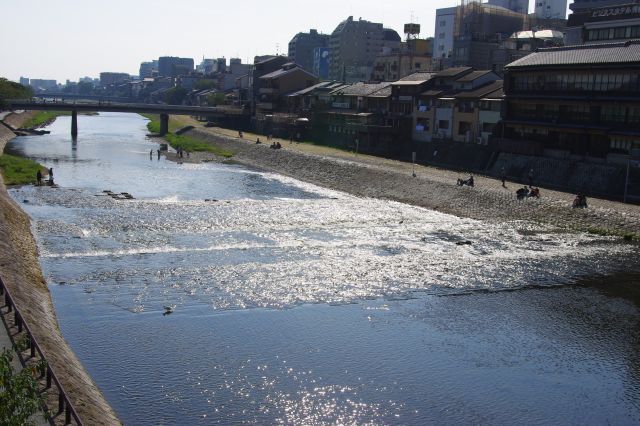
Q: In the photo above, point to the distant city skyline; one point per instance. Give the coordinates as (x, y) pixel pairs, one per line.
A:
(69, 39)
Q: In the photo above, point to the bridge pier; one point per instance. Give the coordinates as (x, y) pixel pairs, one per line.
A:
(74, 124)
(164, 124)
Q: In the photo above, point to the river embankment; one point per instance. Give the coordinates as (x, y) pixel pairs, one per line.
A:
(20, 270)
(432, 188)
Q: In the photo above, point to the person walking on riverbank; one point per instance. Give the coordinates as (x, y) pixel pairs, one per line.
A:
(530, 177)
(39, 178)
(503, 174)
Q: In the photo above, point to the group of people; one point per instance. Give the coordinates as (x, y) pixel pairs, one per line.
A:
(275, 145)
(39, 179)
(527, 192)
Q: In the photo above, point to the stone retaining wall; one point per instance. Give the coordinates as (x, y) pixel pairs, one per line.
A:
(20, 270)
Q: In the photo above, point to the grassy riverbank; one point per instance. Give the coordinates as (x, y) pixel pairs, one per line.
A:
(18, 170)
(187, 143)
(42, 118)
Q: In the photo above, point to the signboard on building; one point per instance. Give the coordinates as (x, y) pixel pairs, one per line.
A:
(321, 62)
(342, 105)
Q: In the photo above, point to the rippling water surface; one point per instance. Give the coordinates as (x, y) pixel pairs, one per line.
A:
(295, 304)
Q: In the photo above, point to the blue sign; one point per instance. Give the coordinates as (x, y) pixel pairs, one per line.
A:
(321, 62)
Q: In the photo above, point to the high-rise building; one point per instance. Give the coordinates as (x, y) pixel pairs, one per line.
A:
(171, 66)
(468, 34)
(606, 21)
(148, 69)
(107, 78)
(579, 5)
(41, 84)
(520, 6)
(444, 35)
(303, 45)
(354, 46)
(551, 9)
(24, 81)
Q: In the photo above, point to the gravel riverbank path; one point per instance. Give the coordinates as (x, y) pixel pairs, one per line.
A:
(432, 187)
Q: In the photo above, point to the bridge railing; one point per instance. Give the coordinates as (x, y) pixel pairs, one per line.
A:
(64, 404)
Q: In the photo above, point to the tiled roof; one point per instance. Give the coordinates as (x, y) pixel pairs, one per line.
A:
(385, 92)
(480, 91)
(322, 85)
(472, 76)
(279, 73)
(498, 94)
(433, 92)
(613, 53)
(360, 89)
(452, 72)
(418, 76)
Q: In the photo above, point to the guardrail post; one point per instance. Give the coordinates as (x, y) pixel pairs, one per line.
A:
(60, 402)
(7, 302)
(17, 321)
(48, 378)
(32, 346)
(67, 415)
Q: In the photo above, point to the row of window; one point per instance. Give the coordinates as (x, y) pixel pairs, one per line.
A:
(618, 33)
(599, 82)
(580, 113)
(340, 129)
(624, 145)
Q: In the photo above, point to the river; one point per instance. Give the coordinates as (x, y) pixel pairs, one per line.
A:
(296, 304)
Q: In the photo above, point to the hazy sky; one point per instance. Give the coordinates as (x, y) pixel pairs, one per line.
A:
(69, 39)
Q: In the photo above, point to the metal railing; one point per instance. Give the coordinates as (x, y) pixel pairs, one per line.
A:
(64, 405)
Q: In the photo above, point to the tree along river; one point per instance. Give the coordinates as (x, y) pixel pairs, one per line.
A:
(297, 304)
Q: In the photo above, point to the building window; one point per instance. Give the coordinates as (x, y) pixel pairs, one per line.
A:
(464, 128)
(443, 124)
(422, 125)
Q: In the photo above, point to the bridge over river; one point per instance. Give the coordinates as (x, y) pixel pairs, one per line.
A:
(163, 110)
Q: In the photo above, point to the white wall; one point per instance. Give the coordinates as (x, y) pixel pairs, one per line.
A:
(443, 37)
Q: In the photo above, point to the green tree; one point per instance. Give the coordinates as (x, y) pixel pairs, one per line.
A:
(175, 96)
(11, 90)
(216, 99)
(205, 84)
(19, 396)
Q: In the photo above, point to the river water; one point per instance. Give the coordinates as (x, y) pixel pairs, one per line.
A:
(295, 304)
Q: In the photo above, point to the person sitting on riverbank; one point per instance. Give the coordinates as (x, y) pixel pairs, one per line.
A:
(522, 193)
(258, 141)
(580, 202)
(468, 182)
(535, 192)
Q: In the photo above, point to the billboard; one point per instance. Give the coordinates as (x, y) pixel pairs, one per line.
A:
(321, 62)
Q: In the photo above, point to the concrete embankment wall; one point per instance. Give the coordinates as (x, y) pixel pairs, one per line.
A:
(595, 179)
(20, 270)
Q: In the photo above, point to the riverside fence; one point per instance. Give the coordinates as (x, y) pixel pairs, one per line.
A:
(17, 327)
